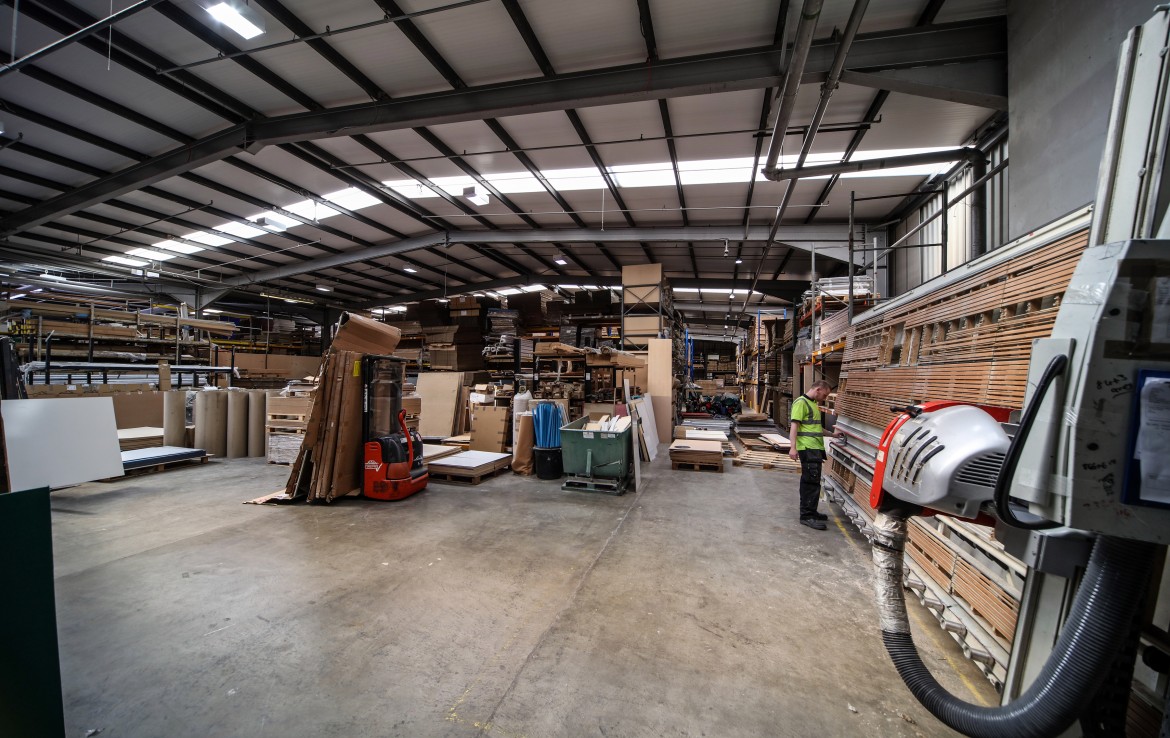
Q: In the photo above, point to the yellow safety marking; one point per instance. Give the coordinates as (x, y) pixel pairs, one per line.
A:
(925, 627)
(488, 727)
(922, 626)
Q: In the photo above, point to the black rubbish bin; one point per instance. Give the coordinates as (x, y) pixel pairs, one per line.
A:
(549, 464)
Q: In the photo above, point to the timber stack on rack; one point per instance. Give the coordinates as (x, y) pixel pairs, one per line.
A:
(83, 329)
(968, 340)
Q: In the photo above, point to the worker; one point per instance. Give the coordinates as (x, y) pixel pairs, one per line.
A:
(806, 439)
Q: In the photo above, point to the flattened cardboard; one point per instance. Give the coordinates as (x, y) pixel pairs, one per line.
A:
(366, 336)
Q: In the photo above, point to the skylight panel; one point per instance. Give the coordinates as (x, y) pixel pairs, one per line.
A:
(643, 175)
(179, 247)
(241, 230)
(564, 180)
(352, 199)
(127, 262)
(152, 255)
(310, 210)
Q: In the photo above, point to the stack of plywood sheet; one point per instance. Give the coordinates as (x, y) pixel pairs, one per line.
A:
(698, 455)
(132, 439)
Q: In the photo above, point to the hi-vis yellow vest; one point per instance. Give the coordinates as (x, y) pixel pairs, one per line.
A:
(810, 437)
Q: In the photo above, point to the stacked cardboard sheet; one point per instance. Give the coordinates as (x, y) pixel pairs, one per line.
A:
(329, 462)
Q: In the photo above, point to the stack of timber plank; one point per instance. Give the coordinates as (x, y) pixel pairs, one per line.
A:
(969, 340)
(328, 464)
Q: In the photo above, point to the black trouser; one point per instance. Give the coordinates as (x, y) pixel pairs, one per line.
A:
(810, 481)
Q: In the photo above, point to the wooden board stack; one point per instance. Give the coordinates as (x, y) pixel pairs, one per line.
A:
(696, 455)
(131, 439)
(970, 341)
(469, 467)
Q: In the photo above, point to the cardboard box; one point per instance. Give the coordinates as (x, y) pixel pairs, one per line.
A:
(489, 428)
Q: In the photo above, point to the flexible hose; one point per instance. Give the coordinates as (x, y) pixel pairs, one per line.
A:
(1012, 459)
(1102, 611)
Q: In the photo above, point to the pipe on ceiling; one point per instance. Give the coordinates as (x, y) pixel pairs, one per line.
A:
(76, 36)
(827, 89)
(809, 14)
(933, 157)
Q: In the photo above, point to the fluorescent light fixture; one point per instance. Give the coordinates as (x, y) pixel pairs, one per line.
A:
(477, 294)
(442, 299)
(476, 195)
(152, 255)
(508, 291)
(397, 309)
(38, 289)
(181, 248)
(324, 288)
(213, 311)
(410, 270)
(274, 221)
(561, 262)
(54, 277)
(352, 199)
(18, 295)
(239, 17)
(532, 288)
(286, 298)
(126, 262)
(739, 261)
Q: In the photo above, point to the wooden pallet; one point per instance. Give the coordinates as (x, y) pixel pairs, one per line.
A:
(692, 466)
(287, 421)
(766, 460)
(468, 478)
(163, 466)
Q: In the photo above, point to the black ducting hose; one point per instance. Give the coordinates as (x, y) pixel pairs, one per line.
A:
(1102, 613)
(1011, 460)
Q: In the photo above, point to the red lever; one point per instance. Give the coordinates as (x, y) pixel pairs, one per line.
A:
(409, 440)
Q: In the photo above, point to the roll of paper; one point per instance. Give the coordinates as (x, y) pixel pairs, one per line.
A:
(257, 422)
(237, 424)
(175, 418)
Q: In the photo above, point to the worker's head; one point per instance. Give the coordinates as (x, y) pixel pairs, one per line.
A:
(819, 390)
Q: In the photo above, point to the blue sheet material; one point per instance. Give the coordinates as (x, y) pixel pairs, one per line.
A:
(547, 419)
(158, 455)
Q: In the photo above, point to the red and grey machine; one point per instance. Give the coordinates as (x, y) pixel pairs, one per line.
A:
(392, 462)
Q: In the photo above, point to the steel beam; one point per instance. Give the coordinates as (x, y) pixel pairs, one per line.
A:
(980, 83)
(829, 241)
(710, 73)
(744, 69)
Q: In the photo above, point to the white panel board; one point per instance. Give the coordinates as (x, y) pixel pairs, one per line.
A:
(58, 442)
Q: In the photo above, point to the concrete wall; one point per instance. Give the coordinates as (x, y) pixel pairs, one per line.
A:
(1062, 66)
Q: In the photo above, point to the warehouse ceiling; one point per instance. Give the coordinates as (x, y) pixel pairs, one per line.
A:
(367, 153)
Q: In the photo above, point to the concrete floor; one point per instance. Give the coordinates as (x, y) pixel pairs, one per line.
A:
(695, 607)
